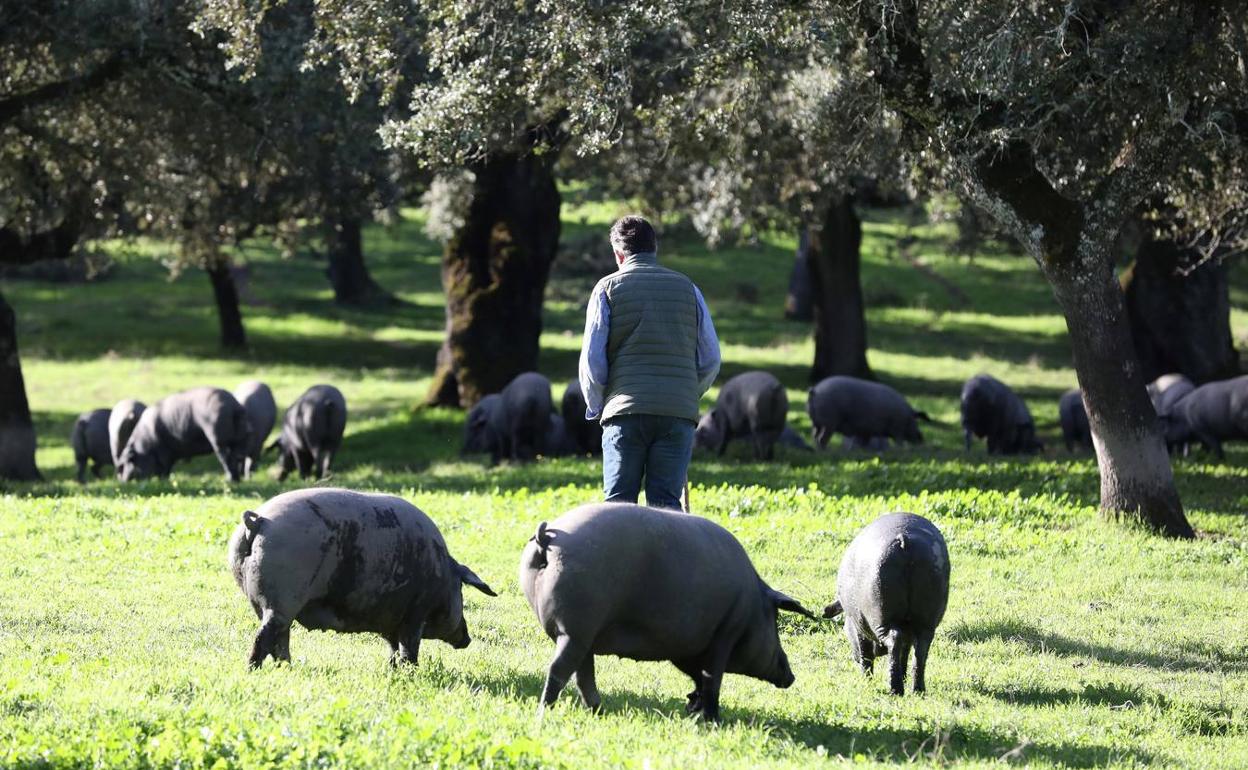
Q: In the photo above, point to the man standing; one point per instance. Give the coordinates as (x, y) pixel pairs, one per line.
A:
(648, 354)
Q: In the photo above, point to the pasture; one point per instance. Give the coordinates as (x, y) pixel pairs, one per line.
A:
(1069, 641)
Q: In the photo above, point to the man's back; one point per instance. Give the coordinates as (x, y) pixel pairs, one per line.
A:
(652, 345)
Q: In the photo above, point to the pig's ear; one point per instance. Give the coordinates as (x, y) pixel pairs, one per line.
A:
(789, 604)
(469, 578)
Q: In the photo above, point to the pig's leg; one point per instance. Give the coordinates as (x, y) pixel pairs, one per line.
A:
(712, 676)
(272, 627)
(587, 685)
(568, 658)
(760, 450)
(1212, 444)
(282, 652)
(304, 459)
(921, 644)
(898, 656)
(769, 439)
(323, 461)
(693, 701)
(394, 650)
(859, 652)
(223, 456)
(82, 471)
(409, 646)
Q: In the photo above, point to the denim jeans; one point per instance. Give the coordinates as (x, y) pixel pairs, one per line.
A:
(650, 447)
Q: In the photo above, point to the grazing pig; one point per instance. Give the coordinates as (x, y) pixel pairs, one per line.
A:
(339, 560)
(893, 586)
(862, 410)
(194, 422)
(479, 434)
(1213, 413)
(586, 433)
(991, 410)
(648, 584)
(522, 418)
(311, 432)
(1166, 392)
(90, 442)
(791, 439)
(121, 421)
(1074, 420)
(261, 409)
(558, 440)
(752, 405)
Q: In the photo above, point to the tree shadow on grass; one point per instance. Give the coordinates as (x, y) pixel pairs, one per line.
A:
(1185, 657)
(954, 744)
(1111, 695)
(885, 744)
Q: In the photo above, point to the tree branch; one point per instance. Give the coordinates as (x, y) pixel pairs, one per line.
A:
(12, 107)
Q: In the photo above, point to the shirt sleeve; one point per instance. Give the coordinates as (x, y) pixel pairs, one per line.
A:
(593, 366)
(708, 345)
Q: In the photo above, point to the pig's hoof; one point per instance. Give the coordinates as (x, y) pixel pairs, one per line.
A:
(693, 703)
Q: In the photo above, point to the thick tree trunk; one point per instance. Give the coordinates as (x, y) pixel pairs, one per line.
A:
(1180, 323)
(494, 272)
(798, 303)
(1137, 483)
(1136, 479)
(840, 323)
(226, 293)
(346, 270)
(17, 430)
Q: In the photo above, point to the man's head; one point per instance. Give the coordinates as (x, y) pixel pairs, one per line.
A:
(632, 235)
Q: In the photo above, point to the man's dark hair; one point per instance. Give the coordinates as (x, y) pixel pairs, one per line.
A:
(633, 235)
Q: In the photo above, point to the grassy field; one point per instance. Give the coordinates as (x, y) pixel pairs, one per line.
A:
(1069, 642)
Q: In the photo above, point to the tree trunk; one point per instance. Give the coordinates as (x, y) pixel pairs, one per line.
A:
(1136, 478)
(798, 303)
(226, 293)
(840, 324)
(1137, 483)
(17, 430)
(346, 270)
(1180, 323)
(494, 273)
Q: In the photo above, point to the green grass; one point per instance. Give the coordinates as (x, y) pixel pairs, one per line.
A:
(1069, 641)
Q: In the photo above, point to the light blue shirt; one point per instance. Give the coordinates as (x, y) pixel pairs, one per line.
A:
(594, 369)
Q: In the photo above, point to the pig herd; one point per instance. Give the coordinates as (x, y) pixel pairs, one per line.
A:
(142, 441)
(522, 422)
(602, 579)
(1208, 414)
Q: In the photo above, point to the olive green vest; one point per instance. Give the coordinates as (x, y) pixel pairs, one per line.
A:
(653, 344)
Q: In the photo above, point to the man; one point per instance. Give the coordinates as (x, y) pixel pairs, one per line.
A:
(648, 355)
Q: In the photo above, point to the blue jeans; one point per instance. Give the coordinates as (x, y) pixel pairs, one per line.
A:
(637, 446)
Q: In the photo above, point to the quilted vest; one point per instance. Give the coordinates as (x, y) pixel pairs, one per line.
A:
(653, 343)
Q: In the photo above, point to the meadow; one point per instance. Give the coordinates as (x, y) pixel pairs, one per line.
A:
(1069, 641)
